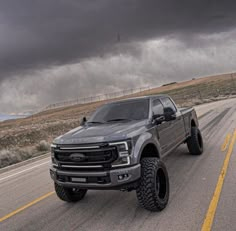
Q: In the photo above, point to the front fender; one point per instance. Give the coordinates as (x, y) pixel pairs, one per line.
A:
(142, 141)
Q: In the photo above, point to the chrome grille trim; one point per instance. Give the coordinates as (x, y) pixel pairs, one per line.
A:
(76, 148)
(81, 166)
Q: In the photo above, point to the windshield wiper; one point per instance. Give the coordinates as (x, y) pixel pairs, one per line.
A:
(118, 119)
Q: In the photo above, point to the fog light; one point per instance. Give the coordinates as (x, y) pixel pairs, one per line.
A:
(123, 176)
(120, 177)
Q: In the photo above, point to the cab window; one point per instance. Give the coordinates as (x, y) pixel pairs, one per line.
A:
(168, 103)
(157, 107)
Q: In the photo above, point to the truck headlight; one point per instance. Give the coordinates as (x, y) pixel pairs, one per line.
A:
(124, 150)
(54, 162)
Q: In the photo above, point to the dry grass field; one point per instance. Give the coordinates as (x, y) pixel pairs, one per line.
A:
(20, 138)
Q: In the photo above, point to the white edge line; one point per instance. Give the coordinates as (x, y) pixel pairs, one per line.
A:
(23, 163)
(25, 170)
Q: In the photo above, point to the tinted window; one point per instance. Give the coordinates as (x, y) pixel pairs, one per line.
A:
(131, 110)
(168, 103)
(157, 107)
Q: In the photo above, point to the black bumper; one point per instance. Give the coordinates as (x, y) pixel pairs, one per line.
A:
(115, 178)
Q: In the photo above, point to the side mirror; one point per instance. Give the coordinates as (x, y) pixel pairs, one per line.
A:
(169, 114)
(158, 119)
(83, 121)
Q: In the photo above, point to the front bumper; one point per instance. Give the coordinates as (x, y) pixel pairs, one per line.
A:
(115, 178)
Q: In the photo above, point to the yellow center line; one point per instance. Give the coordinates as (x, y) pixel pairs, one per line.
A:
(207, 225)
(226, 143)
(26, 206)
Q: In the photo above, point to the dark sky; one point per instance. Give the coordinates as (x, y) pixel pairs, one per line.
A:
(52, 42)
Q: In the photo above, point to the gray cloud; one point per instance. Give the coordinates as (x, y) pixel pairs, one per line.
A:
(55, 50)
(38, 34)
(159, 61)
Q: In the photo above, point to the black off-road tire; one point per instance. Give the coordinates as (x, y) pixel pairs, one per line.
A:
(153, 189)
(195, 142)
(69, 194)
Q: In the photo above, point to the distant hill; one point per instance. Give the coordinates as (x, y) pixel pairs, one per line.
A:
(46, 125)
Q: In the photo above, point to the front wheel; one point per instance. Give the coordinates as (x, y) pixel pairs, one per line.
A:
(195, 142)
(153, 189)
(69, 194)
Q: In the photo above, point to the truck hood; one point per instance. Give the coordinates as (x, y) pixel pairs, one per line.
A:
(102, 132)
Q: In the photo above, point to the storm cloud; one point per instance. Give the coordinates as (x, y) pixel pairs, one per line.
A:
(40, 33)
(53, 43)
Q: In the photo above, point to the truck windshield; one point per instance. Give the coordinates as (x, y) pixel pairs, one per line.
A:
(121, 111)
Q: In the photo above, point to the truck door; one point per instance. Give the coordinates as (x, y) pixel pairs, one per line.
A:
(178, 127)
(165, 129)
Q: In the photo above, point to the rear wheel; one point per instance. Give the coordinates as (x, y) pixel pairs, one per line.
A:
(69, 194)
(153, 189)
(195, 142)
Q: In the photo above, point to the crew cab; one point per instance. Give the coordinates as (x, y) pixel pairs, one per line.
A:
(121, 146)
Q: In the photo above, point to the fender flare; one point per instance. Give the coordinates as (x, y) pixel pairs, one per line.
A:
(142, 142)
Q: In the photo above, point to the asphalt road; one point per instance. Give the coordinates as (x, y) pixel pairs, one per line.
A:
(27, 201)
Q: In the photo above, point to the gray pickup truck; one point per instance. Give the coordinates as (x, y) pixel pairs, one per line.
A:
(121, 146)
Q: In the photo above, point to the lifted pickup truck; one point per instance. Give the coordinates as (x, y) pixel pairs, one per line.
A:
(121, 147)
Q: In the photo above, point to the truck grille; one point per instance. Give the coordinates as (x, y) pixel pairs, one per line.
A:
(78, 156)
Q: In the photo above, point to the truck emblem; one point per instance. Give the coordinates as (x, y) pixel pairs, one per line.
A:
(77, 157)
